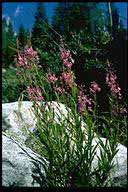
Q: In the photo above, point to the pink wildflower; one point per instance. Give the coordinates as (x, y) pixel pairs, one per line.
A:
(84, 102)
(64, 54)
(21, 61)
(67, 63)
(30, 53)
(51, 77)
(59, 89)
(67, 77)
(66, 57)
(94, 87)
(113, 85)
(26, 55)
(110, 78)
(34, 94)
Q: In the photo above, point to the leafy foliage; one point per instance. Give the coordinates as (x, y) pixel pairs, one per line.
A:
(11, 86)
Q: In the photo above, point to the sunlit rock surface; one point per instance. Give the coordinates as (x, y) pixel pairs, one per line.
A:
(17, 168)
(16, 123)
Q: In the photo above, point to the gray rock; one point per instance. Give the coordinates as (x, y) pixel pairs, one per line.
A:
(19, 121)
(16, 119)
(17, 168)
(3, 70)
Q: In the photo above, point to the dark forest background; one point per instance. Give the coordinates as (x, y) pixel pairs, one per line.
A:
(91, 34)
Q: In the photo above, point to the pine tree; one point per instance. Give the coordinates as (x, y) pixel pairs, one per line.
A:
(59, 17)
(10, 30)
(22, 36)
(73, 17)
(39, 27)
(115, 19)
(114, 22)
(79, 17)
(42, 40)
(8, 43)
(4, 32)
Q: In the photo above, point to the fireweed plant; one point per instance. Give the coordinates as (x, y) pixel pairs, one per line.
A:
(68, 140)
(118, 111)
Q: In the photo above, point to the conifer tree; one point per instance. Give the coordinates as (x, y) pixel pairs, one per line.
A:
(8, 43)
(73, 17)
(39, 28)
(22, 36)
(59, 17)
(42, 38)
